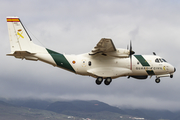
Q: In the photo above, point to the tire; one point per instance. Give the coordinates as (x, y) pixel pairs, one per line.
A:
(157, 80)
(99, 80)
(108, 81)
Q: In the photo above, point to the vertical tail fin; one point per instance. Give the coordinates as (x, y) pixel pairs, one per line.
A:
(18, 36)
(20, 41)
(22, 46)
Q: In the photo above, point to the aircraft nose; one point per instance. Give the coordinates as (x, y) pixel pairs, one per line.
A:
(174, 69)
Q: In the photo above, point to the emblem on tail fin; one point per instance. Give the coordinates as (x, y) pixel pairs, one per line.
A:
(20, 34)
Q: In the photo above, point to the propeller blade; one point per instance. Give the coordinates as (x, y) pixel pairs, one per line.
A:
(130, 55)
(131, 51)
(130, 62)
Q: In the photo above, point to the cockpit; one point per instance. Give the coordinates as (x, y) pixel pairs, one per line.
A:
(160, 60)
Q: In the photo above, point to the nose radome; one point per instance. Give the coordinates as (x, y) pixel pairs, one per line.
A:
(174, 69)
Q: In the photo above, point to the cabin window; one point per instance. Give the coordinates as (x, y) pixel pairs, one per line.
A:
(89, 63)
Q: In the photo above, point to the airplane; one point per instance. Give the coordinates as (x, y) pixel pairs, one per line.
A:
(104, 62)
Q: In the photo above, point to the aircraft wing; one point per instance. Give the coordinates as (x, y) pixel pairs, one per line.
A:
(104, 46)
(109, 72)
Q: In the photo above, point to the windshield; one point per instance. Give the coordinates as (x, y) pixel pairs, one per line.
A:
(164, 60)
(159, 60)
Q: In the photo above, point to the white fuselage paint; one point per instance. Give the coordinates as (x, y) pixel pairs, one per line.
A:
(85, 62)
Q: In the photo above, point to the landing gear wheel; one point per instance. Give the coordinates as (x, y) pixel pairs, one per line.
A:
(99, 80)
(157, 80)
(171, 76)
(108, 81)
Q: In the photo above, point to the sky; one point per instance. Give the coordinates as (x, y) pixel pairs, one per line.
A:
(75, 27)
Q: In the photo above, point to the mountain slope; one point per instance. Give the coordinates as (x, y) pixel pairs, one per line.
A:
(12, 112)
(82, 106)
(78, 108)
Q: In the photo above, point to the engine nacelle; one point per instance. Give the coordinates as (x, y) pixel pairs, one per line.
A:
(121, 53)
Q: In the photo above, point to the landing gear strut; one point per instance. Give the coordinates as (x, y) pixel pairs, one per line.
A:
(157, 80)
(99, 80)
(107, 81)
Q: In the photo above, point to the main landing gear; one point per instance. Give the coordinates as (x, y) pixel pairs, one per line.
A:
(99, 80)
(107, 81)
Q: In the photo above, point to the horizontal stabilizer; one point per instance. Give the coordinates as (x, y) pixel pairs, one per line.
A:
(24, 55)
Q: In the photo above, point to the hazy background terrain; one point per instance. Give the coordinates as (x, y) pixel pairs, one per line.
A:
(75, 27)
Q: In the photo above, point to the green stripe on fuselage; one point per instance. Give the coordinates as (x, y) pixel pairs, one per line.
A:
(141, 59)
(144, 62)
(60, 60)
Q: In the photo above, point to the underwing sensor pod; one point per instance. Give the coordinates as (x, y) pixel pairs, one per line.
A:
(104, 62)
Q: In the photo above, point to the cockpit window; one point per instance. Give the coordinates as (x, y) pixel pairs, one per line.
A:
(157, 60)
(160, 60)
(164, 60)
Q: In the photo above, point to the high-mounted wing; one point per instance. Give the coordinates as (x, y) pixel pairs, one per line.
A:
(106, 47)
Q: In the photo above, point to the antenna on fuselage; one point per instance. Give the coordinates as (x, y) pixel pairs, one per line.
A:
(154, 53)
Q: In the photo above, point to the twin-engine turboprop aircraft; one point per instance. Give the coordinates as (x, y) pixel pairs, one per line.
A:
(104, 62)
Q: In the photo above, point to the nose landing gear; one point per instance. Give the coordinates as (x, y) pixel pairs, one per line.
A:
(157, 80)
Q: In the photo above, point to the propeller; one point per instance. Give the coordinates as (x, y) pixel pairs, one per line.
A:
(131, 52)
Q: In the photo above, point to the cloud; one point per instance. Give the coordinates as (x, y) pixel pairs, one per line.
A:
(75, 27)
